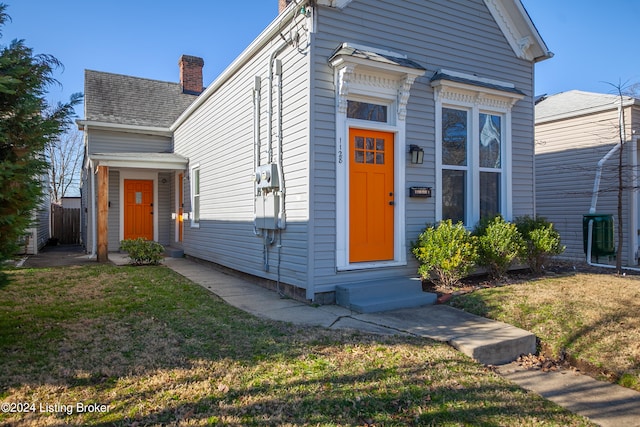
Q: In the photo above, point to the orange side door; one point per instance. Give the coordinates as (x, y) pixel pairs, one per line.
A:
(371, 195)
(138, 209)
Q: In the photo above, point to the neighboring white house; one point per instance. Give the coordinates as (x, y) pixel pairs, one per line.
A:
(322, 151)
(575, 132)
(36, 236)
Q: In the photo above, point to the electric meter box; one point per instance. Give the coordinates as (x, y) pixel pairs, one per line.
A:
(267, 208)
(266, 176)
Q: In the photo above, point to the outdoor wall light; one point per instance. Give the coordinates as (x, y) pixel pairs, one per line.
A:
(417, 154)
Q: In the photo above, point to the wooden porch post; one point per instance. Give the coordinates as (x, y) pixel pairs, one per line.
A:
(103, 213)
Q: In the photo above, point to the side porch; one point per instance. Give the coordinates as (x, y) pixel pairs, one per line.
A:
(132, 195)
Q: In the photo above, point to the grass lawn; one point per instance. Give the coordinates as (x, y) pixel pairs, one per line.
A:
(155, 349)
(591, 319)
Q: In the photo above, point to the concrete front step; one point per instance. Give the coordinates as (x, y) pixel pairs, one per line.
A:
(172, 252)
(383, 295)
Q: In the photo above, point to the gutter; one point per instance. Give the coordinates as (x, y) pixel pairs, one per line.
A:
(150, 130)
(263, 39)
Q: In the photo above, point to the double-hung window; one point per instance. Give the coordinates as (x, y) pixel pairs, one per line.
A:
(195, 196)
(468, 158)
(473, 135)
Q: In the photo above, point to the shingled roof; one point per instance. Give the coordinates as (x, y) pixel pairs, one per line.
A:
(577, 103)
(125, 100)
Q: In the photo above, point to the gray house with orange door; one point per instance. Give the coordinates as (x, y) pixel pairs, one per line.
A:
(322, 151)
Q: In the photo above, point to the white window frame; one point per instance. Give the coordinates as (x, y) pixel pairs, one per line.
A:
(476, 100)
(195, 223)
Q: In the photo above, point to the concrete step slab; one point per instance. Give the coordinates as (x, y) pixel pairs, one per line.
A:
(487, 341)
(387, 302)
(382, 295)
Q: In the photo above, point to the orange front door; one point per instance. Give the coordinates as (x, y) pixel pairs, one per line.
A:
(371, 196)
(138, 209)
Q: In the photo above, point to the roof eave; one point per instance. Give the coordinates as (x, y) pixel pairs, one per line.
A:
(147, 130)
(627, 102)
(268, 34)
(139, 161)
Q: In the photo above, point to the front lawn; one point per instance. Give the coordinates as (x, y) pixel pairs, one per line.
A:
(139, 346)
(589, 319)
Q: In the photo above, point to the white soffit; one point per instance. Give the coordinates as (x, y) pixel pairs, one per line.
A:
(159, 161)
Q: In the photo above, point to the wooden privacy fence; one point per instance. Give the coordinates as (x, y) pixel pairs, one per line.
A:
(65, 225)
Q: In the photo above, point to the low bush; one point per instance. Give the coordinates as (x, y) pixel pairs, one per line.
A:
(541, 241)
(499, 244)
(142, 251)
(446, 251)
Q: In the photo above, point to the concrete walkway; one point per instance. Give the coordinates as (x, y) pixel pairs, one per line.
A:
(606, 404)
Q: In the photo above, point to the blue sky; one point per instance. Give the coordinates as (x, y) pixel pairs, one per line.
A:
(593, 41)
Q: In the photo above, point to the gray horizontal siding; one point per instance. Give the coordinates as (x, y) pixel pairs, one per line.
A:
(567, 152)
(122, 142)
(456, 35)
(165, 207)
(219, 137)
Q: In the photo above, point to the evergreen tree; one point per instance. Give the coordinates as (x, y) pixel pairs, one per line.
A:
(27, 125)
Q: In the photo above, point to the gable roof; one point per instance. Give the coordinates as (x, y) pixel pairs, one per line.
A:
(513, 20)
(577, 103)
(117, 99)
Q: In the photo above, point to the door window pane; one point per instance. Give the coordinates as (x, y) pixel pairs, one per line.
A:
(370, 157)
(453, 195)
(369, 150)
(454, 137)
(489, 194)
(490, 141)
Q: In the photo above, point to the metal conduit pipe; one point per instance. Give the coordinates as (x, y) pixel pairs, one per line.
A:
(256, 142)
(282, 217)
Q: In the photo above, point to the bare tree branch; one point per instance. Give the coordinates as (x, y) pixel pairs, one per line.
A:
(65, 157)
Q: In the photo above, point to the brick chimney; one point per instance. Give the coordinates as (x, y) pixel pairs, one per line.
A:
(282, 5)
(191, 74)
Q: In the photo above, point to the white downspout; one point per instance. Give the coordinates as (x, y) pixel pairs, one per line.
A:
(596, 182)
(594, 199)
(282, 215)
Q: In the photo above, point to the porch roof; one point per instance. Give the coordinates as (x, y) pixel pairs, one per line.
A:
(377, 58)
(162, 161)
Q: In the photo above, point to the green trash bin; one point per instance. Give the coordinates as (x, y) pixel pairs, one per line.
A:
(602, 234)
